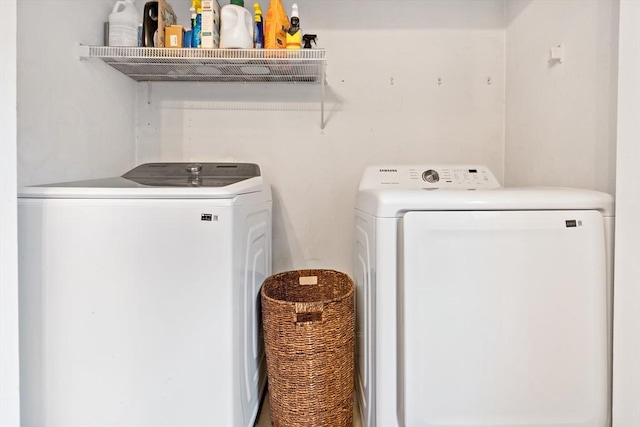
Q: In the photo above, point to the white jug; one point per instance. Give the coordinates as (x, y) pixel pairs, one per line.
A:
(123, 24)
(236, 26)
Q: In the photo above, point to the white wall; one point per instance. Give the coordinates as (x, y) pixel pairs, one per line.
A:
(9, 362)
(385, 106)
(561, 118)
(626, 346)
(75, 117)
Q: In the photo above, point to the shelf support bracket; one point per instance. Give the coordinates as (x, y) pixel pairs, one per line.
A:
(323, 83)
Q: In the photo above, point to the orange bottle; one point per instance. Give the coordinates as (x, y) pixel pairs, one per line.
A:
(276, 25)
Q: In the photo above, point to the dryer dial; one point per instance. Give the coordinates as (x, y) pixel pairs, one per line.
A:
(431, 176)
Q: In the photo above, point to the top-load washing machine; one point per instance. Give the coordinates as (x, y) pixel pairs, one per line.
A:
(139, 297)
(481, 306)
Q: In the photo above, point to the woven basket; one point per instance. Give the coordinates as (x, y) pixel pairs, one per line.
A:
(308, 320)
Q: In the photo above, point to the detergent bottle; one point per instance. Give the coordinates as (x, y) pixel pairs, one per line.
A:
(123, 24)
(236, 26)
(276, 25)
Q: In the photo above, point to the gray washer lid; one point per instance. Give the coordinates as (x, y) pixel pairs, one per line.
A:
(192, 174)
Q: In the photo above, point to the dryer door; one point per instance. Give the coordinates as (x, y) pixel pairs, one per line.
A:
(503, 319)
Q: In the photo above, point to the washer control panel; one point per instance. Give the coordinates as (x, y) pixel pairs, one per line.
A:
(429, 177)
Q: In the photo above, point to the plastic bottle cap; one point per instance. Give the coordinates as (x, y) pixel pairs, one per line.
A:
(238, 2)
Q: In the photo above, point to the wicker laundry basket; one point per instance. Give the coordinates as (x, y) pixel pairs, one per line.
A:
(308, 320)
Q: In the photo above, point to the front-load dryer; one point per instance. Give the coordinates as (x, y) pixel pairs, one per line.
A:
(139, 297)
(481, 306)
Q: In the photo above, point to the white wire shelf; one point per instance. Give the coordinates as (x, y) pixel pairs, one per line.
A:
(215, 65)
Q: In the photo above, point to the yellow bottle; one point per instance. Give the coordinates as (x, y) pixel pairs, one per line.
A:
(294, 35)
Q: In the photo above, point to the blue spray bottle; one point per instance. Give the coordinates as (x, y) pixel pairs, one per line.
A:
(197, 30)
(258, 30)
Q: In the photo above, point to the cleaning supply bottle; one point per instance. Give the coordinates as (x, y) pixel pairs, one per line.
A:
(236, 26)
(294, 34)
(123, 24)
(196, 40)
(192, 11)
(276, 25)
(307, 39)
(258, 30)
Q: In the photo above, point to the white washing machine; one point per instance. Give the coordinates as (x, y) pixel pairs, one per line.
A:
(481, 306)
(139, 297)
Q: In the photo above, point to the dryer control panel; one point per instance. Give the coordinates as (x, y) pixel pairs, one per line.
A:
(429, 177)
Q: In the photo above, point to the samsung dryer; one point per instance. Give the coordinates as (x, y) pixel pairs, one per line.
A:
(139, 297)
(481, 306)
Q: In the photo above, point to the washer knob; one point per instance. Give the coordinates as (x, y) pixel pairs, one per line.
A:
(194, 168)
(430, 176)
